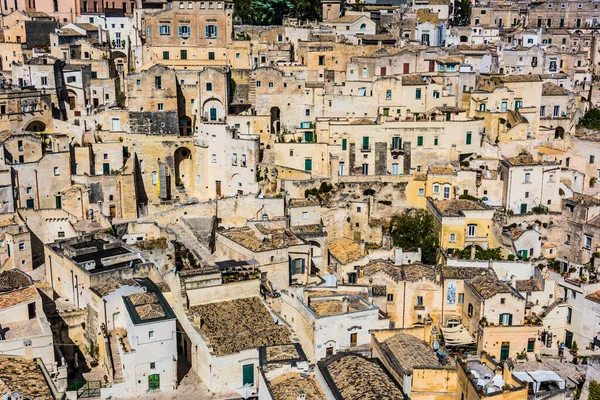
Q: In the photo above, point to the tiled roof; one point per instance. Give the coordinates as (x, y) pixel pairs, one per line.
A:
(595, 296)
(522, 160)
(26, 295)
(235, 325)
(409, 352)
(88, 27)
(413, 79)
(358, 378)
(440, 170)
(147, 306)
(334, 306)
(550, 89)
(584, 200)
(273, 238)
(455, 207)
(296, 203)
(529, 285)
(69, 32)
(289, 386)
(18, 375)
(409, 272)
(465, 272)
(282, 352)
(488, 287)
(345, 250)
(112, 284)
(347, 19)
(13, 279)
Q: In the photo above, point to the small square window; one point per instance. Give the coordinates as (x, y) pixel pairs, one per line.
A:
(304, 215)
(21, 246)
(150, 334)
(390, 297)
(56, 171)
(502, 300)
(421, 192)
(152, 365)
(161, 107)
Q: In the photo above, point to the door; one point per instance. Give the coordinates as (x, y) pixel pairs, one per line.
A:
(112, 211)
(406, 68)
(29, 203)
(383, 71)
(329, 351)
(184, 54)
(248, 375)
(106, 168)
(341, 171)
(353, 339)
(523, 208)
(431, 65)
(153, 382)
(115, 124)
(308, 164)
(504, 351)
(58, 201)
(218, 188)
(213, 114)
(568, 339)
(31, 310)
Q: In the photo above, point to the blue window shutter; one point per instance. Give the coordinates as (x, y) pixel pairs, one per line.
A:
(180, 31)
(215, 34)
(207, 31)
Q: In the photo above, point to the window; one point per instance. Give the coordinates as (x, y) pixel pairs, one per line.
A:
(164, 29)
(396, 143)
(527, 177)
(298, 266)
(211, 31)
(436, 94)
(185, 31)
(344, 144)
(364, 72)
(446, 192)
(243, 160)
(504, 106)
(365, 143)
(435, 141)
(390, 297)
(526, 195)
(452, 238)
(308, 164)
(214, 158)
(211, 55)
(165, 55)
(388, 94)
(157, 82)
(152, 365)
(556, 112)
(307, 112)
(505, 319)
(542, 111)
(208, 86)
(150, 334)
(482, 107)
(461, 298)
(56, 171)
(588, 242)
(436, 188)
(21, 246)
(304, 214)
(321, 60)
(421, 192)
(470, 310)
(468, 138)
(592, 159)
(161, 107)
(569, 315)
(419, 140)
(235, 159)
(417, 94)
(420, 301)
(503, 300)
(44, 80)
(395, 169)
(471, 230)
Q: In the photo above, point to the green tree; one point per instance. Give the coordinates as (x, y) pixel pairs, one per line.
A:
(463, 10)
(416, 229)
(272, 12)
(591, 119)
(594, 391)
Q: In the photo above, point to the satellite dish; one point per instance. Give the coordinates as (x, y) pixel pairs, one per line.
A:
(436, 345)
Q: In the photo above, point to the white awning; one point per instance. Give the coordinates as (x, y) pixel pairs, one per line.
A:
(457, 336)
(538, 377)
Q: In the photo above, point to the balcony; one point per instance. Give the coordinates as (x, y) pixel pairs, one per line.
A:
(366, 149)
(396, 151)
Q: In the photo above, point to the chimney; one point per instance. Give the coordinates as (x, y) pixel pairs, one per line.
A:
(513, 281)
(197, 319)
(345, 305)
(397, 256)
(301, 396)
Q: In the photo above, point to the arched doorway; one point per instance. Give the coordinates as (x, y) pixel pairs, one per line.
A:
(559, 133)
(464, 39)
(275, 119)
(72, 99)
(183, 167)
(185, 126)
(36, 126)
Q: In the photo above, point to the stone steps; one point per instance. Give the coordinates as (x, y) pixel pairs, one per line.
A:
(116, 357)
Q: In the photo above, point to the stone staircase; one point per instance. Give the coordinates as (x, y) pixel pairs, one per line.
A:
(252, 90)
(116, 358)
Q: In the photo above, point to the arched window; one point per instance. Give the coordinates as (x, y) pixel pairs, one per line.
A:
(363, 27)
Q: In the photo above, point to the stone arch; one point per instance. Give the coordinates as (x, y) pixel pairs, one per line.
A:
(559, 132)
(183, 167)
(35, 126)
(464, 39)
(213, 110)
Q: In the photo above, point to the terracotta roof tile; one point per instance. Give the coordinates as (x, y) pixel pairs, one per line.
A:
(345, 250)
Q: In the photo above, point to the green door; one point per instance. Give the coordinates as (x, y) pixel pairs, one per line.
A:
(504, 351)
(308, 164)
(184, 54)
(213, 114)
(29, 203)
(530, 345)
(248, 374)
(523, 253)
(344, 144)
(154, 382)
(106, 168)
(308, 137)
(365, 143)
(58, 202)
(568, 339)
(523, 208)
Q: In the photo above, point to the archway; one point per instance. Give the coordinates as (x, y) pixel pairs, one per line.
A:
(559, 133)
(275, 119)
(36, 126)
(72, 99)
(464, 39)
(185, 126)
(183, 167)
(213, 110)
(315, 248)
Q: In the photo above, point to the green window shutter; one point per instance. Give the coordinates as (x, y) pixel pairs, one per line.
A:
(419, 140)
(248, 374)
(344, 144)
(308, 137)
(418, 94)
(469, 135)
(435, 141)
(308, 164)
(365, 143)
